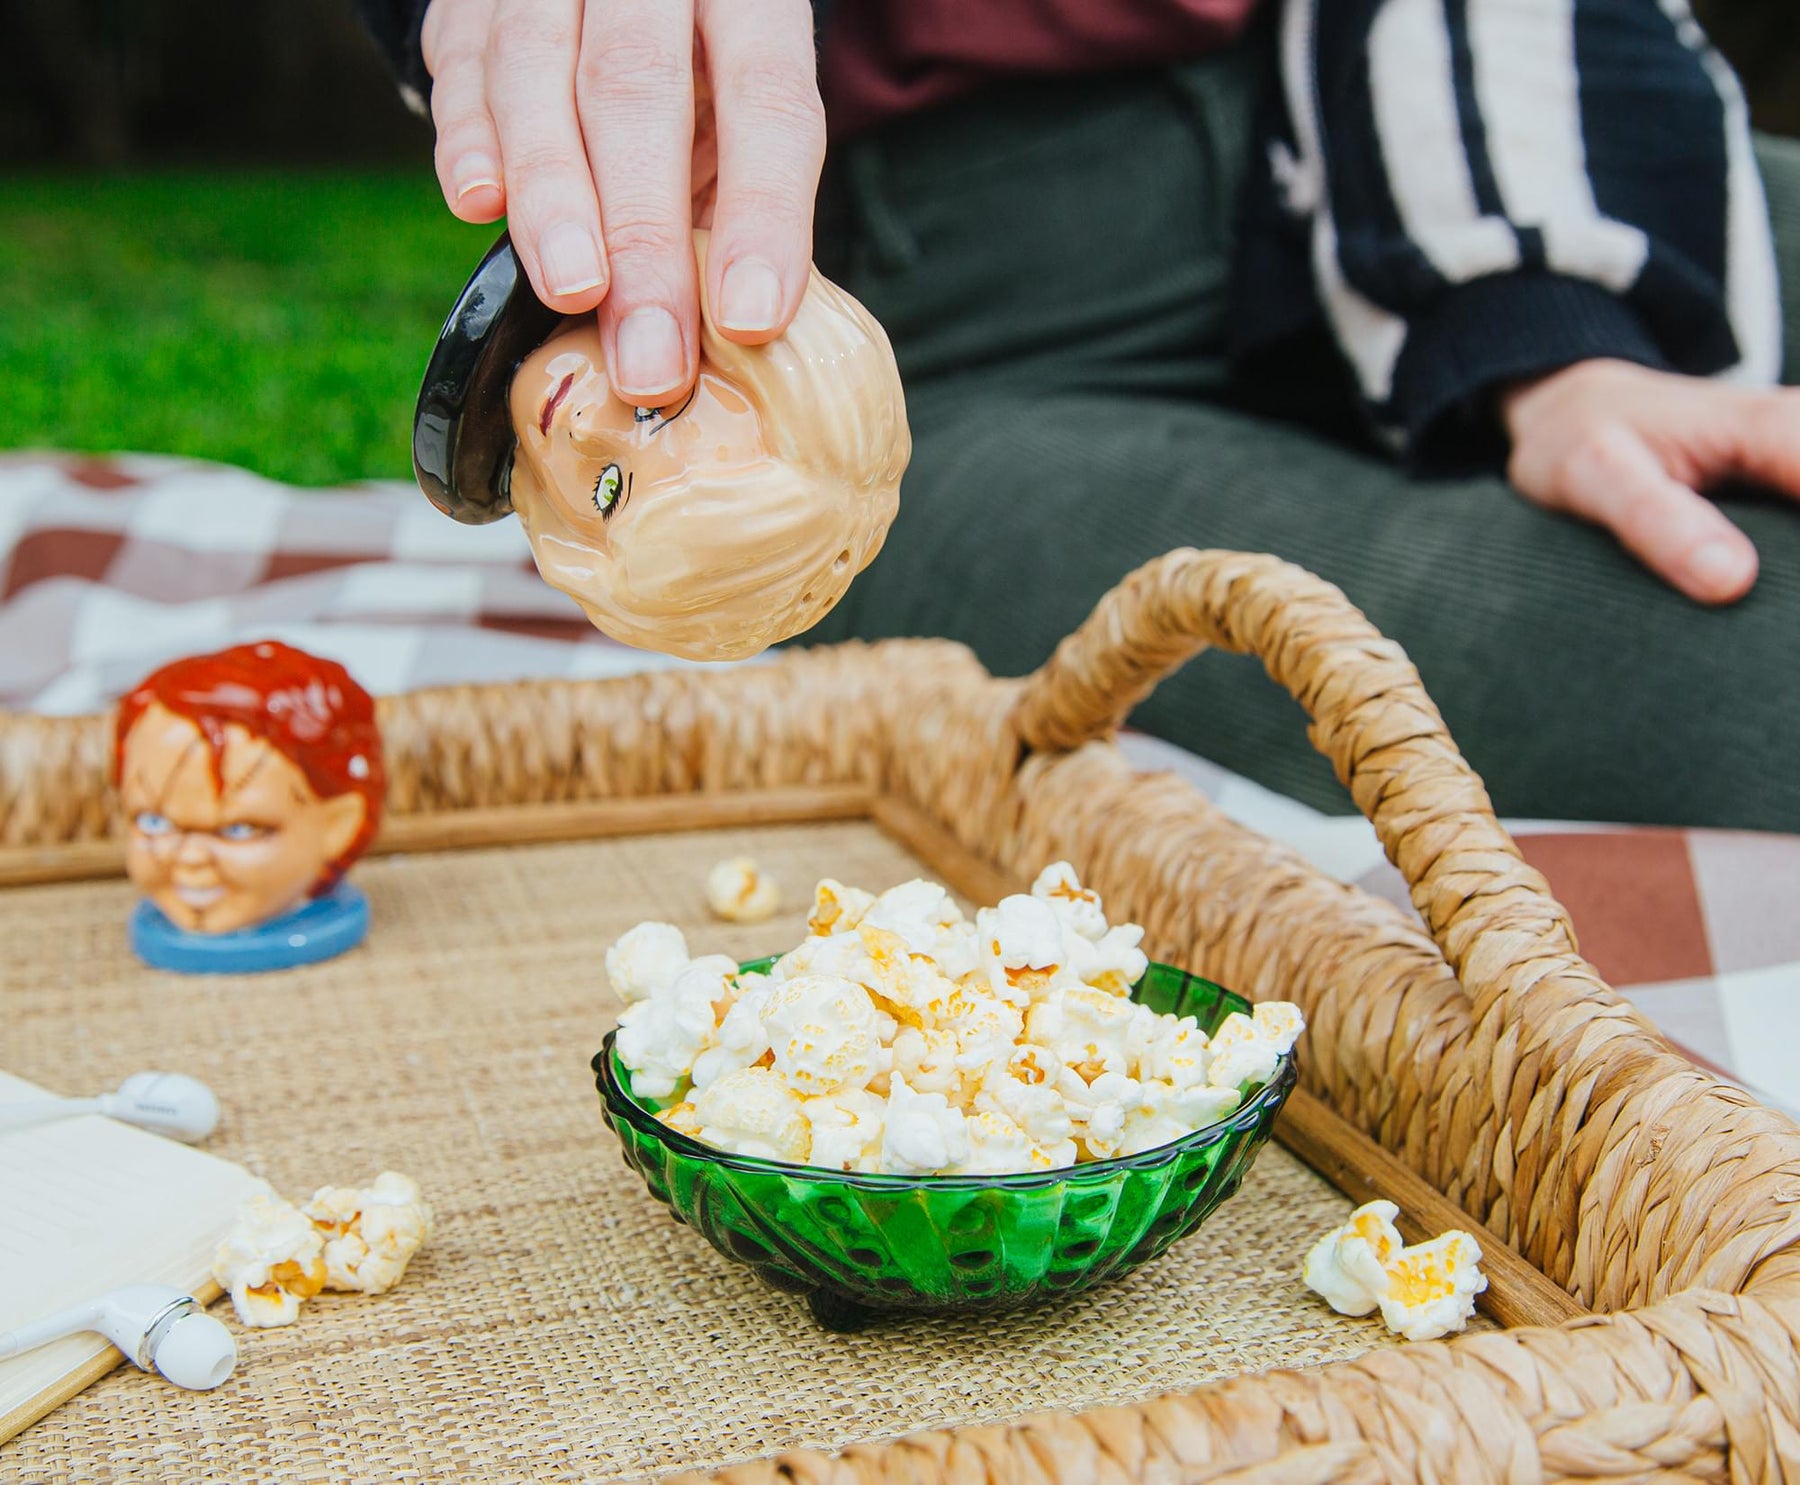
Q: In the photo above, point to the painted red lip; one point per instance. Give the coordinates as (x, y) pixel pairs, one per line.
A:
(556, 401)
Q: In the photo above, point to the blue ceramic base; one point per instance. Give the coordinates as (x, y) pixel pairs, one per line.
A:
(323, 929)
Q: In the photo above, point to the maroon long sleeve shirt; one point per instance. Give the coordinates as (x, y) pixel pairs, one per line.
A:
(883, 58)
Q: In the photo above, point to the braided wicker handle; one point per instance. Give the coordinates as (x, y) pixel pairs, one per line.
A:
(1370, 717)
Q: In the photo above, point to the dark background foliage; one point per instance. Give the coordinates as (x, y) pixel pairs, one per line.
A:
(112, 83)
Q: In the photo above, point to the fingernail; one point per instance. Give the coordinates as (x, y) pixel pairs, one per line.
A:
(1718, 566)
(750, 296)
(571, 259)
(650, 359)
(475, 173)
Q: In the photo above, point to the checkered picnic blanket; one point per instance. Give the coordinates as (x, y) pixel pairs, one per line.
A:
(110, 567)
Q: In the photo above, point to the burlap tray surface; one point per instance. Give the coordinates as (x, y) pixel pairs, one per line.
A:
(560, 1326)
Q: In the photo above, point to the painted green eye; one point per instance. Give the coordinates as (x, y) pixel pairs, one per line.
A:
(606, 489)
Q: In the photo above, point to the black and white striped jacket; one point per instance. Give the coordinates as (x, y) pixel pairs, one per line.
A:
(1471, 192)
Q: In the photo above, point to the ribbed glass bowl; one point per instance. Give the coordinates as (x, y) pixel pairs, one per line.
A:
(856, 1245)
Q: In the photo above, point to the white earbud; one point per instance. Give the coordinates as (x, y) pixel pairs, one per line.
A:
(171, 1104)
(154, 1325)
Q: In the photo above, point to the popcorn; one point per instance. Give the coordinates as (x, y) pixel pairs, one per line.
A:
(1247, 1049)
(754, 1112)
(1088, 1029)
(371, 1233)
(923, 1134)
(1165, 1113)
(837, 908)
(740, 892)
(660, 1037)
(1423, 1292)
(1348, 1266)
(928, 920)
(271, 1262)
(1077, 906)
(646, 959)
(847, 1130)
(1021, 946)
(928, 1060)
(741, 1039)
(1113, 962)
(1432, 1287)
(1098, 1110)
(823, 1034)
(901, 1037)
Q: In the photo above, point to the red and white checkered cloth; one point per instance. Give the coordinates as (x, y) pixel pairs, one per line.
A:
(110, 567)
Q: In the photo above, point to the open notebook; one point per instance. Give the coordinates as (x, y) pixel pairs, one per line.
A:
(86, 1205)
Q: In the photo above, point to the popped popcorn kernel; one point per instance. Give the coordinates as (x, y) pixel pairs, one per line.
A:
(644, 960)
(754, 1112)
(1423, 1292)
(739, 891)
(837, 908)
(271, 1262)
(371, 1233)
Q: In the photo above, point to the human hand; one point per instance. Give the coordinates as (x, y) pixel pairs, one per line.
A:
(1632, 449)
(590, 125)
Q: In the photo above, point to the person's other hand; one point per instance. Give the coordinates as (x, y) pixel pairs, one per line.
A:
(1633, 449)
(590, 125)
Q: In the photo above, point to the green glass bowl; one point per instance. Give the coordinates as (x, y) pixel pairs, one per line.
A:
(856, 1245)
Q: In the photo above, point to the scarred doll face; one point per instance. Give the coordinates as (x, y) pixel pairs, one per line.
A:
(720, 525)
(221, 854)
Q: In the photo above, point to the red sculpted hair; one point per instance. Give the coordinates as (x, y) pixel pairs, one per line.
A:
(309, 710)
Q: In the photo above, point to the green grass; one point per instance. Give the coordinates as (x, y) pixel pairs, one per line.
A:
(277, 322)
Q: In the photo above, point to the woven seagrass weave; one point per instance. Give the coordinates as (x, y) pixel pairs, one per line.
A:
(561, 1327)
(1472, 1041)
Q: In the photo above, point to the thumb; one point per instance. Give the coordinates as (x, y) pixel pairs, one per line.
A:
(1618, 482)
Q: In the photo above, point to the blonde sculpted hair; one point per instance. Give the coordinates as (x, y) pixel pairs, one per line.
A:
(734, 558)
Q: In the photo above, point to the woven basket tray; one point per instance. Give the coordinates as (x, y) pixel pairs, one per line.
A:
(1641, 1216)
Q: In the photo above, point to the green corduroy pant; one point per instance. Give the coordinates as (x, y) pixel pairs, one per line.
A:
(1052, 262)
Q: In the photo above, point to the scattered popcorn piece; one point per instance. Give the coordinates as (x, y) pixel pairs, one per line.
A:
(923, 1134)
(754, 1112)
(1423, 1292)
(739, 891)
(1348, 1266)
(271, 1262)
(822, 1031)
(1432, 1286)
(837, 908)
(370, 1233)
(901, 1037)
(660, 1037)
(1079, 907)
(645, 960)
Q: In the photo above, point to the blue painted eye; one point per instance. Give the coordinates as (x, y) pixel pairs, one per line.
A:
(148, 822)
(238, 830)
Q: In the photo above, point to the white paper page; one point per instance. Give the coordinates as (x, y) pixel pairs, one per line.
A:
(88, 1204)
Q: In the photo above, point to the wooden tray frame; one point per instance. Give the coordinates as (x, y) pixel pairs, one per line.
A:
(1517, 1293)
